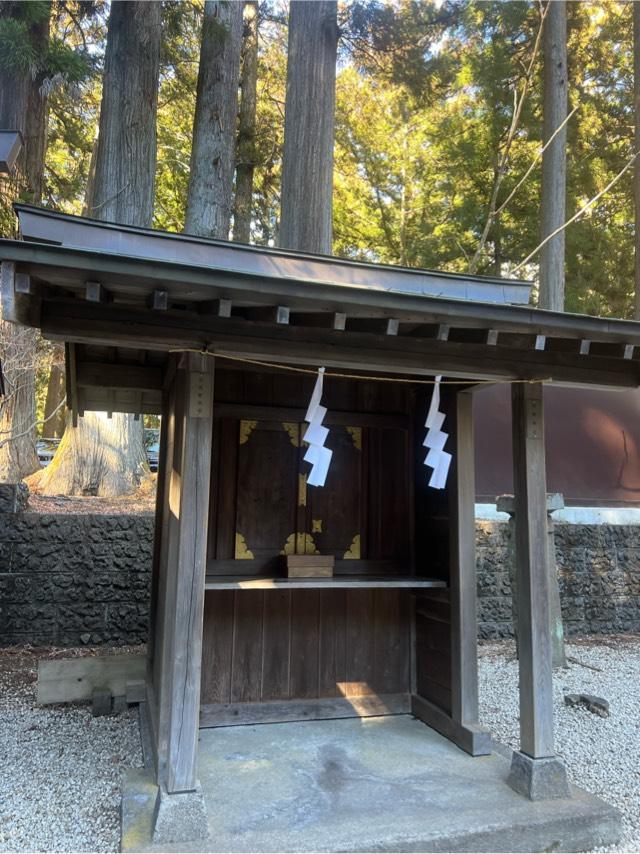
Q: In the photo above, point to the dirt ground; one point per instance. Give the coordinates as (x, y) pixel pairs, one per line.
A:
(141, 501)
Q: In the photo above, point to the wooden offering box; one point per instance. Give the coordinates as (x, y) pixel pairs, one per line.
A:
(310, 566)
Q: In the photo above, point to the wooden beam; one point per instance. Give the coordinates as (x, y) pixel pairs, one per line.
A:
(80, 321)
(69, 680)
(114, 375)
(96, 292)
(159, 300)
(290, 413)
(67, 266)
(186, 550)
(534, 632)
(280, 711)
(20, 303)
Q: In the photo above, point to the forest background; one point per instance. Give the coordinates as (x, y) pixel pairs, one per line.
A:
(425, 138)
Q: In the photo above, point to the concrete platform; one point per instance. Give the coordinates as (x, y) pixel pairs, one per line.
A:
(372, 784)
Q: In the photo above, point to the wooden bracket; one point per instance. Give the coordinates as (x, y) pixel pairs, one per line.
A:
(159, 300)
(216, 307)
(96, 292)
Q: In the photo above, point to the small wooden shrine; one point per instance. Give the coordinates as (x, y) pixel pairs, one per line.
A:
(224, 341)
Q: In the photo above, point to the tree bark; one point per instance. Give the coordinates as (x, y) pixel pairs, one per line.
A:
(54, 410)
(106, 456)
(554, 159)
(23, 107)
(246, 144)
(307, 163)
(18, 457)
(209, 200)
(636, 165)
(124, 181)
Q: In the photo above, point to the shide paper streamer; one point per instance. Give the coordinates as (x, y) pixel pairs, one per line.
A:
(437, 458)
(316, 436)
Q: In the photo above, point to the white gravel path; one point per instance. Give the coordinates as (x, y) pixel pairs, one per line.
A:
(602, 754)
(61, 767)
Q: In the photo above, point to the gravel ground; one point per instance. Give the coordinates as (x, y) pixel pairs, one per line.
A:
(602, 754)
(61, 767)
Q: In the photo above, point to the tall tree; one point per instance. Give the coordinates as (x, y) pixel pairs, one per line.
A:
(246, 145)
(307, 164)
(209, 200)
(101, 455)
(24, 34)
(554, 160)
(636, 165)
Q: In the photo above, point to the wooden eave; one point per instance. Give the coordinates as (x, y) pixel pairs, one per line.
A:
(46, 226)
(99, 298)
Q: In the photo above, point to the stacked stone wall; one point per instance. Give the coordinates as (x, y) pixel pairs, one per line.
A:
(598, 571)
(80, 579)
(74, 579)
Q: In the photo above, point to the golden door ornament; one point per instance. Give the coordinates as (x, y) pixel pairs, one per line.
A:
(242, 552)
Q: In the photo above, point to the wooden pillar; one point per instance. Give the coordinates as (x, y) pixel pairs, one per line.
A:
(180, 601)
(464, 633)
(464, 625)
(534, 632)
(535, 771)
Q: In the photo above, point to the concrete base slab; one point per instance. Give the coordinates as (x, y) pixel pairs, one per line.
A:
(179, 817)
(538, 779)
(372, 784)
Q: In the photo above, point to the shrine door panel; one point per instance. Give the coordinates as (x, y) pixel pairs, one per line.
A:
(300, 644)
(256, 500)
(334, 520)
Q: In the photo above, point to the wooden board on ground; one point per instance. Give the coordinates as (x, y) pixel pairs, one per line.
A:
(68, 680)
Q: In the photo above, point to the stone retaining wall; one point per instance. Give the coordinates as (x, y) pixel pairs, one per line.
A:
(74, 579)
(599, 572)
(81, 579)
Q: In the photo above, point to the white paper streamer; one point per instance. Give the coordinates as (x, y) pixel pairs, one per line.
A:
(316, 435)
(437, 458)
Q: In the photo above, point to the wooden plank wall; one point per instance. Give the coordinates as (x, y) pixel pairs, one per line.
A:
(433, 556)
(433, 648)
(279, 644)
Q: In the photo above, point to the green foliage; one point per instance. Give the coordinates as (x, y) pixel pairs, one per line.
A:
(16, 51)
(425, 99)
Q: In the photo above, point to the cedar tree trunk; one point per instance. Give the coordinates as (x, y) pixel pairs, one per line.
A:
(106, 456)
(307, 163)
(54, 410)
(209, 200)
(124, 180)
(101, 456)
(246, 145)
(554, 159)
(23, 107)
